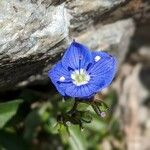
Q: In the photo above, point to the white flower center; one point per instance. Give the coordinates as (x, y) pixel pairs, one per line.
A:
(80, 77)
(97, 58)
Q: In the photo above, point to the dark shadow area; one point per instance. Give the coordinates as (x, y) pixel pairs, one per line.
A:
(145, 76)
(147, 102)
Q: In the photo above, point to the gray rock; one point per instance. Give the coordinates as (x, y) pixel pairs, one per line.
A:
(86, 12)
(114, 38)
(133, 105)
(34, 33)
(31, 35)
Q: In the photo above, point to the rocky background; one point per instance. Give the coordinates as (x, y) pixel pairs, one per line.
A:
(35, 33)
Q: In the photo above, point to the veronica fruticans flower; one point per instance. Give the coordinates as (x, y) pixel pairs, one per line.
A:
(81, 73)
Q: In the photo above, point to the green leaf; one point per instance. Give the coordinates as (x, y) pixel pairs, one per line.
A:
(64, 133)
(77, 140)
(11, 141)
(8, 110)
(32, 121)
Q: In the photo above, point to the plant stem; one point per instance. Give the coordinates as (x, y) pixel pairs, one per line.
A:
(74, 108)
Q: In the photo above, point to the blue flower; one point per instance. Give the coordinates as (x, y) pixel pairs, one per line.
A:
(81, 73)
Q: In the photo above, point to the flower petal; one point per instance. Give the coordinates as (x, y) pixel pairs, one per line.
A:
(56, 74)
(76, 56)
(102, 71)
(84, 91)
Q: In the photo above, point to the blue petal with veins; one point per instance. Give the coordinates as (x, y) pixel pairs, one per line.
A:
(81, 73)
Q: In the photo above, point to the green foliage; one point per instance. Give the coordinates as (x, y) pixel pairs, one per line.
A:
(44, 122)
(77, 139)
(11, 141)
(8, 110)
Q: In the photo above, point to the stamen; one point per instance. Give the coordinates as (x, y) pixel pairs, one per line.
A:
(97, 58)
(80, 77)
